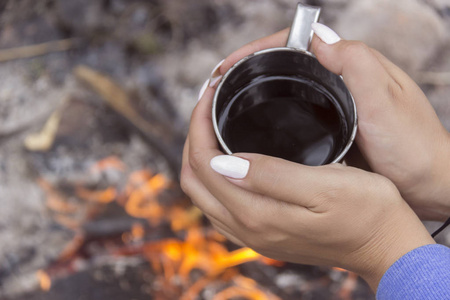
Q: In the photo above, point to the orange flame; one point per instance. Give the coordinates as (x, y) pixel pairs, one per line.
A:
(72, 247)
(44, 280)
(103, 196)
(143, 191)
(272, 262)
(136, 234)
(339, 269)
(181, 218)
(55, 201)
(137, 231)
(348, 286)
(110, 162)
(246, 288)
(236, 257)
(170, 258)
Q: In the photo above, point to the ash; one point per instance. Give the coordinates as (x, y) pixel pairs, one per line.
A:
(158, 53)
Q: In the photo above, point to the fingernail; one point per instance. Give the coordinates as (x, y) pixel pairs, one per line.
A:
(325, 33)
(230, 166)
(203, 89)
(215, 74)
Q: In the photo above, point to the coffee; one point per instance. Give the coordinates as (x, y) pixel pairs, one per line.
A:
(291, 117)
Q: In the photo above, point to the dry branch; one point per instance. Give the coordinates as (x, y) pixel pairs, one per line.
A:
(155, 134)
(43, 140)
(114, 96)
(36, 50)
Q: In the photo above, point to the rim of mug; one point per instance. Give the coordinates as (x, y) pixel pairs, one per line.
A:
(264, 51)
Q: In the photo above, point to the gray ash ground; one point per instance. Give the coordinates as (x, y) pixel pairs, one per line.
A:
(159, 51)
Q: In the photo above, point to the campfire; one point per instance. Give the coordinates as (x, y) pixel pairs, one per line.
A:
(104, 159)
(159, 225)
(156, 224)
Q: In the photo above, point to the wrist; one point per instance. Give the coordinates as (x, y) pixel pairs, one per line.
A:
(437, 193)
(429, 195)
(442, 199)
(401, 233)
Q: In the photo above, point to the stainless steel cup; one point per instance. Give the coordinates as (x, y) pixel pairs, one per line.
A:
(294, 61)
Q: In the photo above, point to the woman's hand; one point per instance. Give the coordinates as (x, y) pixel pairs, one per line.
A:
(329, 215)
(399, 134)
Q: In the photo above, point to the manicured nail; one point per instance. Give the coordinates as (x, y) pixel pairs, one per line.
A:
(203, 89)
(230, 166)
(215, 74)
(325, 33)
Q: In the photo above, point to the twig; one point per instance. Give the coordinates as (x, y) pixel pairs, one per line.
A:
(36, 50)
(158, 136)
(43, 140)
(115, 96)
(7, 134)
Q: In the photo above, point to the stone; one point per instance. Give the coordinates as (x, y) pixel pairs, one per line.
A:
(409, 32)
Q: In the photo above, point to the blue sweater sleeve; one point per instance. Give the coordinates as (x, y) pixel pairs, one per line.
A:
(423, 273)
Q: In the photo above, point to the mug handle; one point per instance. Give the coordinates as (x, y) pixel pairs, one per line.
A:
(301, 33)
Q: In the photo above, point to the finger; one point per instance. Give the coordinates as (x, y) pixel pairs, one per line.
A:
(203, 144)
(201, 122)
(278, 39)
(202, 148)
(204, 200)
(224, 230)
(355, 61)
(371, 85)
(230, 237)
(286, 181)
(200, 195)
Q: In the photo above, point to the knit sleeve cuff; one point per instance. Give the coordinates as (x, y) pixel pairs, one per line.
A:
(423, 273)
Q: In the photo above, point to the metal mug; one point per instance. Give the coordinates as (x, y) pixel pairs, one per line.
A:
(289, 89)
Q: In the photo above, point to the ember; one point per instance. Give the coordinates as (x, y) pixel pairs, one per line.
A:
(194, 261)
(44, 280)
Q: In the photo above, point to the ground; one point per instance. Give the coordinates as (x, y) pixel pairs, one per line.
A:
(160, 52)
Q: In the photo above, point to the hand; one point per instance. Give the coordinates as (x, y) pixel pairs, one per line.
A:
(330, 215)
(399, 134)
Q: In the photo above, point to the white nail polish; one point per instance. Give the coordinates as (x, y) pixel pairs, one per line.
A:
(325, 33)
(215, 74)
(203, 89)
(230, 166)
(214, 80)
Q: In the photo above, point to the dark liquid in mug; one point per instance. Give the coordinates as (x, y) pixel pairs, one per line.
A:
(293, 118)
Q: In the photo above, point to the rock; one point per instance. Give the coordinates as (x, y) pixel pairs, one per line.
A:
(257, 24)
(439, 4)
(83, 16)
(409, 32)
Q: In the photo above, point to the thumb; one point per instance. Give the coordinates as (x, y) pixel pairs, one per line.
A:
(364, 74)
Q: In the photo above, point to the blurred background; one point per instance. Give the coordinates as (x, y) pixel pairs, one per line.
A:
(95, 99)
